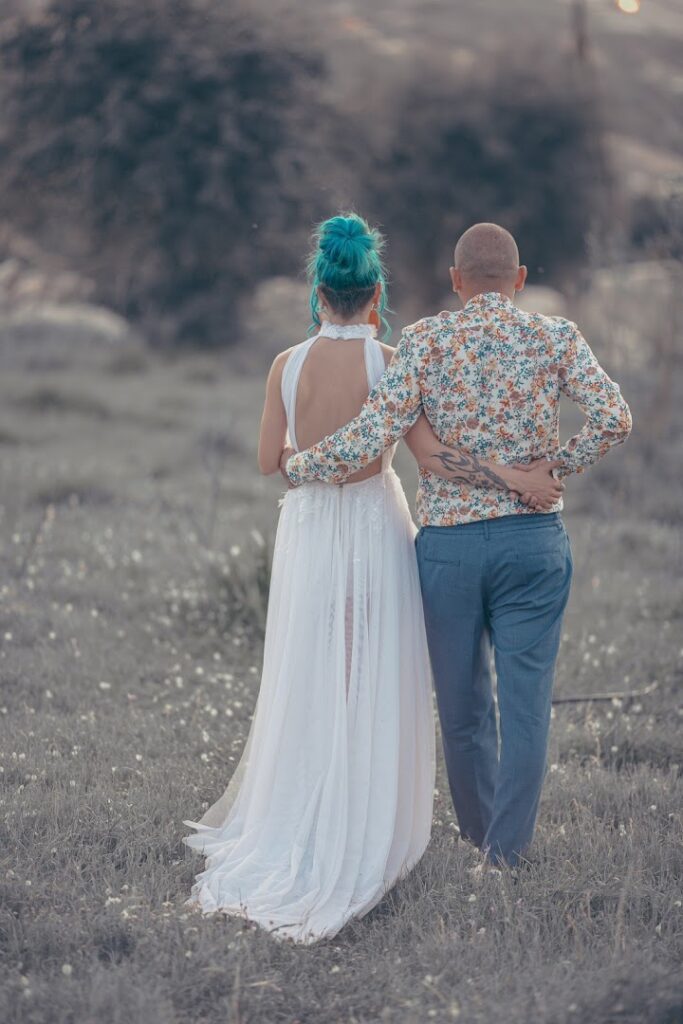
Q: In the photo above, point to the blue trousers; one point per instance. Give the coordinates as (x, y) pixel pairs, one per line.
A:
(500, 586)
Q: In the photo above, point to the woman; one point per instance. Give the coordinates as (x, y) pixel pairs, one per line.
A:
(332, 800)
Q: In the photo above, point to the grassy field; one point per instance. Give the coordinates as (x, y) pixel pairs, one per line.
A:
(134, 539)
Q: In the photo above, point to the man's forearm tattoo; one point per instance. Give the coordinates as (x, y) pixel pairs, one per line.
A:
(467, 469)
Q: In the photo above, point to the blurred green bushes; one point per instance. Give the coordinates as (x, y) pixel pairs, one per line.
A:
(178, 151)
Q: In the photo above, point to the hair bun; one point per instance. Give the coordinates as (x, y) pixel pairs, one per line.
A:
(346, 242)
(346, 265)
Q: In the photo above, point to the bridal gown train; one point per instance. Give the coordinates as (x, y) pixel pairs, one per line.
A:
(332, 800)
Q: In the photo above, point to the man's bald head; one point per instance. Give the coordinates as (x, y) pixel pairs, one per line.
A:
(487, 252)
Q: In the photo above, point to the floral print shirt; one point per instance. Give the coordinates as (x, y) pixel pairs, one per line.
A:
(488, 378)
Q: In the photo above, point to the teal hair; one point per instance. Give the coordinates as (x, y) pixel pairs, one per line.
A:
(346, 264)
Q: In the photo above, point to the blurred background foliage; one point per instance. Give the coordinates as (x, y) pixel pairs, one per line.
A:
(163, 148)
(177, 152)
(172, 156)
(505, 143)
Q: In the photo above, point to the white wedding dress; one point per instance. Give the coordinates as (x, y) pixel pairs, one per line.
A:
(332, 800)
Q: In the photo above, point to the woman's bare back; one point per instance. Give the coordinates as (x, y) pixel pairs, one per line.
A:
(333, 386)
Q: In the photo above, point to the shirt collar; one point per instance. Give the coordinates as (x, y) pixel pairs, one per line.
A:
(489, 300)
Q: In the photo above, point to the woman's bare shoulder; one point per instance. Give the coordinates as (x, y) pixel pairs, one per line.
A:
(279, 361)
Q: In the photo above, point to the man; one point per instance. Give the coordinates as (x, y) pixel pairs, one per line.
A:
(495, 573)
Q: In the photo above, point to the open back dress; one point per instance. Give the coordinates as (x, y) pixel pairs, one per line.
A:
(332, 800)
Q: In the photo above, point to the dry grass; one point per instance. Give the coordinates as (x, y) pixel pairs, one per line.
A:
(131, 614)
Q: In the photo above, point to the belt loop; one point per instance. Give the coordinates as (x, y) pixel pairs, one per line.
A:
(486, 529)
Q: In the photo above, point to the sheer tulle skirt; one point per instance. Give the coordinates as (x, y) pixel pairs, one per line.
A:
(332, 800)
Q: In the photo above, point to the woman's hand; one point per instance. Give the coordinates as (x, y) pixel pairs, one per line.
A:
(287, 452)
(534, 483)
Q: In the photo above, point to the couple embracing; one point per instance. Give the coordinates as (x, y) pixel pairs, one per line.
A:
(332, 800)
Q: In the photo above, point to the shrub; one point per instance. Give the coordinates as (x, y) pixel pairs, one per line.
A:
(163, 147)
(657, 225)
(519, 147)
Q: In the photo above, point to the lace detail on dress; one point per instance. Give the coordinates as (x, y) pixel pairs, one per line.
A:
(366, 497)
(328, 330)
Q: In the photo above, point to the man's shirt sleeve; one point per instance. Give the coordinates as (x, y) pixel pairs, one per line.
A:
(608, 418)
(389, 411)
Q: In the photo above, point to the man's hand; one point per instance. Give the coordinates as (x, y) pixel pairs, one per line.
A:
(534, 483)
(542, 463)
(284, 458)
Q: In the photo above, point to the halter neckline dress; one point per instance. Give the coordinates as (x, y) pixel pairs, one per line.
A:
(332, 800)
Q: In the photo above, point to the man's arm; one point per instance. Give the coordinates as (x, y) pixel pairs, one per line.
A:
(608, 417)
(537, 488)
(389, 411)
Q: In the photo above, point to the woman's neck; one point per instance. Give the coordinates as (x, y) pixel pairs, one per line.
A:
(358, 318)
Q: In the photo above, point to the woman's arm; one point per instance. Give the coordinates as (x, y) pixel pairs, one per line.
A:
(273, 434)
(536, 487)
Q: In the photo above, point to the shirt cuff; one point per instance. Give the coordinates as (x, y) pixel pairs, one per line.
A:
(569, 464)
(295, 468)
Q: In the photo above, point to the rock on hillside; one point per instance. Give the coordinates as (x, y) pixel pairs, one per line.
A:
(51, 336)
